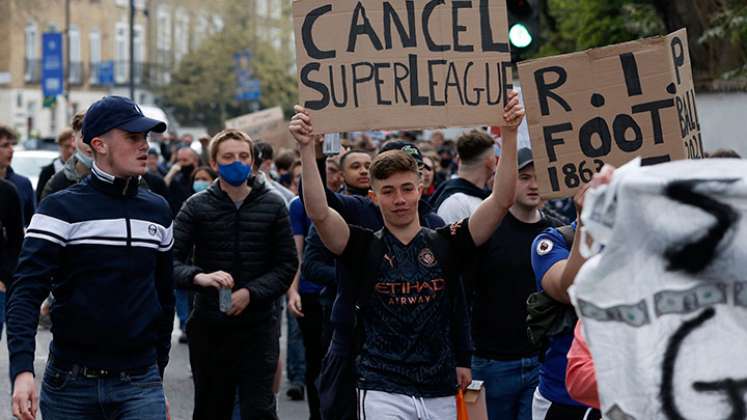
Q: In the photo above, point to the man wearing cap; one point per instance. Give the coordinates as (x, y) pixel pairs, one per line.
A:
(501, 280)
(103, 247)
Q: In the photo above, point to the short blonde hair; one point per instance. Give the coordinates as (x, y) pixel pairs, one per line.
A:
(229, 134)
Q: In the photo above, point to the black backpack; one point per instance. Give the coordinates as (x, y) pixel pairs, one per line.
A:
(547, 317)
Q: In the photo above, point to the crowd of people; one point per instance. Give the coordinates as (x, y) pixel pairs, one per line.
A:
(408, 268)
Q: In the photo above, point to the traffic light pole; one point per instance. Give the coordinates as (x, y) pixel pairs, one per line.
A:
(132, 49)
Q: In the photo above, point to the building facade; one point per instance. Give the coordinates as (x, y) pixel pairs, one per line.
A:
(98, 44)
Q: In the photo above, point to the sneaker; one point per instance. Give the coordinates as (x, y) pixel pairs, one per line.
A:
(183, 338)
(295, 392)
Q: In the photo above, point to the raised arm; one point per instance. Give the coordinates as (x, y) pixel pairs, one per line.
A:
(332, 228)
(489, 214)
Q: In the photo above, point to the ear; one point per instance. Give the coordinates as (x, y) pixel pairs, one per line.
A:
(214, 165)
(99, 145)
(374, 198)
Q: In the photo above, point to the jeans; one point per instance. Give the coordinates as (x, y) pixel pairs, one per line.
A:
(294, 359)
(69, 395)
(509, 386)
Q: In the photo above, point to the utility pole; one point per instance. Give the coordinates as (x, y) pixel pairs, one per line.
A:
(132, 49)
(66, 72)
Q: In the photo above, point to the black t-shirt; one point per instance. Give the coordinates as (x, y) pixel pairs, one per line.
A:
(409, 345)
(502, 279)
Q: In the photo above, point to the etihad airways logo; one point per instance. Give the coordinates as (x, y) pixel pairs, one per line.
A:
(411, 293)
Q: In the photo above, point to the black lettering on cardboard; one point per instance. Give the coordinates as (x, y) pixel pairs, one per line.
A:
(432, 82)
(678, 56)
(308, 42)
(682, 114)
(319, 87)
(358, 80)
(545, 89)
(630, 71)
(466, 80)
(398, 89)
(599, 127)
(551, 142)
(415, 98)
(452, 80)
(489, 84)
(486, 31)
(427, 11)
(344, 83)
(693, 115)
(505, 81)
(456, 27)
(695, 109)
(655, 160)
(620, 126)
(364, 28)
(378, 82)
(408, 37)
(654, 108)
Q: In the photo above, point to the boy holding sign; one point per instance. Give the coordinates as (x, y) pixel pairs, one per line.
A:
(411, 360)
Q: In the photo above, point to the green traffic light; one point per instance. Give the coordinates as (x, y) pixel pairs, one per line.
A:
(519, 36)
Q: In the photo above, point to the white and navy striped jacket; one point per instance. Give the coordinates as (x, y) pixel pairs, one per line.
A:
(103, 248)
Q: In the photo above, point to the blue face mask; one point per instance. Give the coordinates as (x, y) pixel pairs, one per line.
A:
(235, 173)
(199, 185)
(83, 159)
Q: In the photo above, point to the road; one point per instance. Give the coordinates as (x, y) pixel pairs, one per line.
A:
(178, 382)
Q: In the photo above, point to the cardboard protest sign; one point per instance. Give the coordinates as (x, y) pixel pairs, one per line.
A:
(267, 125)
(666, 327)
(398, 64)
(609, 105)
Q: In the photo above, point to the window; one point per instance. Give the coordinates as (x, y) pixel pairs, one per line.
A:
(94, 40)
(163, 32)
(262, 9)
(75, 72)
(276, 38)
(31, 68)
(276, 9)
(121, 53)
(218, 23)
(181, 35)
(138, 44)
(201, 29)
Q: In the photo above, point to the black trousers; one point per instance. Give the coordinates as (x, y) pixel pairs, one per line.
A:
(311, 329)
(224, 358)
(566, 412)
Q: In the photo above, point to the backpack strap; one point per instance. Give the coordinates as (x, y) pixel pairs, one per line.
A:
(375, 254)
(568, 233)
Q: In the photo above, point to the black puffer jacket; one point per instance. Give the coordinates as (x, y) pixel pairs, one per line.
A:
(253, 243)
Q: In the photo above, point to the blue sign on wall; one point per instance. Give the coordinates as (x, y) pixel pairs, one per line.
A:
(52, 80)
(248, 88)
(105, 74)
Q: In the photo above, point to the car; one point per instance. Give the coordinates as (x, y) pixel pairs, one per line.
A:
(29, 163)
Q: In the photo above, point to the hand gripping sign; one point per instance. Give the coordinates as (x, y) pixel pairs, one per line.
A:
(610, 105)
(396, 64)
(664, 303)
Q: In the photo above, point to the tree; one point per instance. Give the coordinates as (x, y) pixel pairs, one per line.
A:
(575, 25)
(203, 87)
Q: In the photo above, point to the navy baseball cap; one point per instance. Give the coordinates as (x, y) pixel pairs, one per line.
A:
(112, 112)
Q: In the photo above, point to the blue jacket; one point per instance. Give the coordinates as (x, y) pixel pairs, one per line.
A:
(25, 193)
(103, 247)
